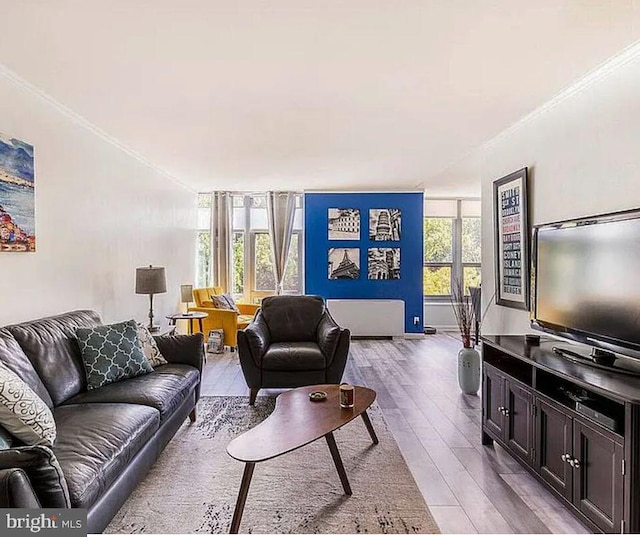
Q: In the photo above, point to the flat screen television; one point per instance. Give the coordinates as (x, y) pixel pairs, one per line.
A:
(586, 281)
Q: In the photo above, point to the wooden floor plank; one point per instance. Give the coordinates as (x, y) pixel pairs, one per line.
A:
(452, 519)
(513, 508)
(469, 487)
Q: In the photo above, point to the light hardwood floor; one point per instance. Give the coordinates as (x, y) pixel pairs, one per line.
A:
(468, 487)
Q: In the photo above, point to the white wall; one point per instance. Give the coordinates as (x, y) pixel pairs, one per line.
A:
(100, 213)
(439, 315)
(583, 154)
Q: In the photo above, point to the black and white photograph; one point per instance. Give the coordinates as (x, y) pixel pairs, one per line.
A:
(344, 224)
(385, 224)
(384, 263)
(344, 263)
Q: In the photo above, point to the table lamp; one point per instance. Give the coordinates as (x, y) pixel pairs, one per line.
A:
(150, 281)
(186, 294)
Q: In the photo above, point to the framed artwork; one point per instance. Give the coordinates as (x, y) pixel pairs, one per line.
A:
(383, 263)
(511, 224)
(215, 341)
(344, 224)
(17, 196)
(344, 263)
(385, 224)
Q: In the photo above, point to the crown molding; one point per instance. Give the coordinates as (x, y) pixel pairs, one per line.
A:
(85, 123)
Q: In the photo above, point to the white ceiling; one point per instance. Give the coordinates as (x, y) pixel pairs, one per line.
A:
(268, 94)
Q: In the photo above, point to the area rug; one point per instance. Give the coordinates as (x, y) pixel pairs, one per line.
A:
(193, 486)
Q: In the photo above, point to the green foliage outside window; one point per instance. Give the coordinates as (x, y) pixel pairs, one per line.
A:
(438, 240)
(471, 278)
(291, 276)
(203, 258)
(204, 201)
(471, 240)
(437, 281)
(439, 254)
(238, 263)
(265, 280)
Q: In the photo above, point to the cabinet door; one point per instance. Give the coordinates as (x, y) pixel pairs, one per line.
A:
(493, 401)
(519, 419)
(554, 445)
(598, 480)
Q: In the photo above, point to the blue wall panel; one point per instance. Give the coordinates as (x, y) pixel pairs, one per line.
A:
(317, 244)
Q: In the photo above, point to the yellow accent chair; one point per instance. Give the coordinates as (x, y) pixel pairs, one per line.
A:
(227, 320)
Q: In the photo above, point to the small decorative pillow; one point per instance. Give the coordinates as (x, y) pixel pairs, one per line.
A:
(111, 352)
(231, 302)
(149, 346)
(23, 413)
(222, 302)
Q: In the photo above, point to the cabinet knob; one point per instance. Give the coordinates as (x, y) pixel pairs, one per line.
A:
(506, 411)
(575, 463)
(564, 457)
(501, 409)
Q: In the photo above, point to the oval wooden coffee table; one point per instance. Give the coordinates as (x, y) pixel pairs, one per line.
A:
(296, 422)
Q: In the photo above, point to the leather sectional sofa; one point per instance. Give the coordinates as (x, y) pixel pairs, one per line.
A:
(108, 438)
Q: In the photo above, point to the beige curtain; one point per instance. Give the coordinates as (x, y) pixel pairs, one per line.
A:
(221, 226)
(281, 210)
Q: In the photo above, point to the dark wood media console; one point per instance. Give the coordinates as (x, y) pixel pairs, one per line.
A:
(529, 407)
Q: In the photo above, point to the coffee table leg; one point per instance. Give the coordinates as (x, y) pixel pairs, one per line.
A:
(367, 423)
(242, 496)
(333, 448)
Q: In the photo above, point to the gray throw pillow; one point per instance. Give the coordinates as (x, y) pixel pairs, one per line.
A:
(231, 302)
(111, 352)
(224, 302)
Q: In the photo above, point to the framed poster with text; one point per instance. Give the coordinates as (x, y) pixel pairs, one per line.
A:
(511, 226)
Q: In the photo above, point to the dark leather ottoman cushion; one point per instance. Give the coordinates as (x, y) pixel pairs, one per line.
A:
(97, 441)
(299, 356)
(165, 389)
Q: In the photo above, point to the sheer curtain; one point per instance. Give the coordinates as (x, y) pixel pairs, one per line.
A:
(281, 210)
(221, 213)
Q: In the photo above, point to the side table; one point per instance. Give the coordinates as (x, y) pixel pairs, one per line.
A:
(165, 331)
(191, 316)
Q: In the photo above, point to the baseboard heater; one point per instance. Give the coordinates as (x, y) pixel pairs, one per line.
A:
(369, 318)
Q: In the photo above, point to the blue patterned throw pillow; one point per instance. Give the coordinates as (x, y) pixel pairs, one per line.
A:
(111, 352)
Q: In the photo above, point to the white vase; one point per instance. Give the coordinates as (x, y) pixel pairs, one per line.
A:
(469, 370)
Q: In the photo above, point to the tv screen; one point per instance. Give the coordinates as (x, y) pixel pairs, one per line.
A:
(587, 279)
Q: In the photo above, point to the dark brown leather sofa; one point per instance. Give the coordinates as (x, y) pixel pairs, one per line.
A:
(107, 438)
(292, 341)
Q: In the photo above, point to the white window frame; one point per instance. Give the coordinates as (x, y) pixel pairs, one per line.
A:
(456, 264)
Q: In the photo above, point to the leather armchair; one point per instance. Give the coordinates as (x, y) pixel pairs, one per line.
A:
(293, 341)
(227, 320)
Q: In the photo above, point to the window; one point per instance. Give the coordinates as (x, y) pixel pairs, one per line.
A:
(263, 264)
(452, 246)
(252, 271)
(237, 270)
(203, 248)
(438, 256)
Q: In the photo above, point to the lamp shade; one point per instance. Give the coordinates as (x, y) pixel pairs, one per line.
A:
(186, 292)
(150, 280)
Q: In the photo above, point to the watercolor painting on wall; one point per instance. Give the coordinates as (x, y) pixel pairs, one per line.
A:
(17, 196)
